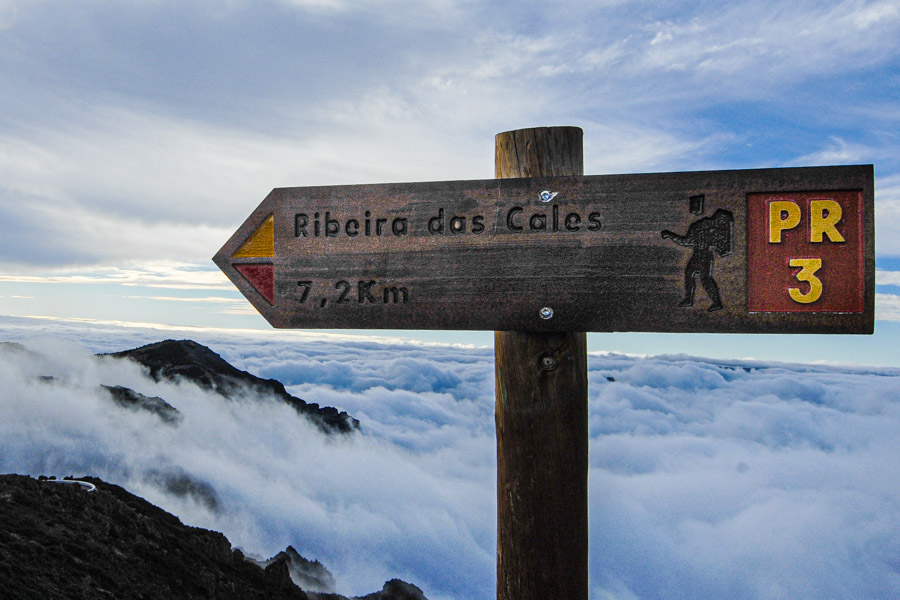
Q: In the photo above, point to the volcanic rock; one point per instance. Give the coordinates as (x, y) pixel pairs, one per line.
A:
(60, 542)
(396, 589)
(92, 540)
(130, 399)
(309, 575)
(187, 360)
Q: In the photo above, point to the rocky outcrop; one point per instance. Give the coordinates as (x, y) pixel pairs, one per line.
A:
(92, 540)
(132, 400)
(311, 576)
(396, 590)
(178, 482)
(60, 542)
(187, 360)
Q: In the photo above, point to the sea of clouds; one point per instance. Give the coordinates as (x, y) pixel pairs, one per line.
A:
(708, 479)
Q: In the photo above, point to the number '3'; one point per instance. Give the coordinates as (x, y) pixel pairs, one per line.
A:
(808, 268)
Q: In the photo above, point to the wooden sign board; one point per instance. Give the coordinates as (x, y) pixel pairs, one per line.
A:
(746, 251)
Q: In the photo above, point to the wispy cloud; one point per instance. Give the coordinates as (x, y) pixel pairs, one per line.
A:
(839, 152)
(203, 300)
(765, 40)
(153, 275)
(883, 277)
(129, 172)
(887, 215)
(887, 307)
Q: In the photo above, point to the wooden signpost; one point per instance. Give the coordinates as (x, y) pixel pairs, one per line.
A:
(717, 251)
(542, 254)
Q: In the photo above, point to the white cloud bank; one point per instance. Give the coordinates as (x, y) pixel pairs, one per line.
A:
(744, 480)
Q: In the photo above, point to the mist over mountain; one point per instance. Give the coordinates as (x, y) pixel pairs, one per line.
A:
(186, 360)
(709, 479)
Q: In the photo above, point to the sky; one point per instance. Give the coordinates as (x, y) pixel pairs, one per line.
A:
(708, 480)
(135, 137)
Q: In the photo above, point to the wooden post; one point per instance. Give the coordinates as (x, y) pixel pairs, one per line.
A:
(542, 420)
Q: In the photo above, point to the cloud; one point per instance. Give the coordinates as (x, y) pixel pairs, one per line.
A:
(735, 479)
(174, 276)
(887, 215)
(342, 494)
(884, 277)
(170, 275)
(887, 307)
(155, 145)
(761, 40)
(709, 470)
(8, 12)
(175, 190)
(838, 152)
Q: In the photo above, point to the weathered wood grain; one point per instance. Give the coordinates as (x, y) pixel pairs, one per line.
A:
(541, 419)
(479, 271)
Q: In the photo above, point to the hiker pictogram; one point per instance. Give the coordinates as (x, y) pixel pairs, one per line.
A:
(708, 237)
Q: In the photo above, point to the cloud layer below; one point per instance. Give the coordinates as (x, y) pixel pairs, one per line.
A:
(740, 480)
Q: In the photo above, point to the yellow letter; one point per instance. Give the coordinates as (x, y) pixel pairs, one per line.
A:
(823, 219)
(808, 267)
(777, 224)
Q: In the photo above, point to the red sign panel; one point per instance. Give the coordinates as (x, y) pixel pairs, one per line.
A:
(805, 252)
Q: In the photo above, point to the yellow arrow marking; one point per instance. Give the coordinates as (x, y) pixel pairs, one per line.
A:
(261, 243)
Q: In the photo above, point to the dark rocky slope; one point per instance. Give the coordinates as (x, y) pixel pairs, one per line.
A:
(130, 399)
(61, 542)
(187, 360)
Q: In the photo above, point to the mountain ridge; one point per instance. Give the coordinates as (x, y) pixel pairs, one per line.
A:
(187, 360)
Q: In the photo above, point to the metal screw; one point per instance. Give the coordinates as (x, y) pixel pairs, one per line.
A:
(547, 195)
(546, 313)
(548, 363)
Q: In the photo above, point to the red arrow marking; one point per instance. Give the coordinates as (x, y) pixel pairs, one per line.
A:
(261, 277)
